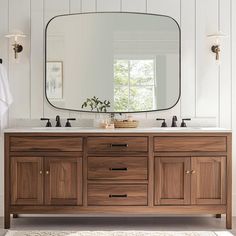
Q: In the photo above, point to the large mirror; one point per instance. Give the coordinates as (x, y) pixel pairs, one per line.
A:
(112, 62)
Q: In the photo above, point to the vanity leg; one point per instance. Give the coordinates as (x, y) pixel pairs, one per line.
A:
(228, 220)
(218, 215)
(15, 216)
(7, 221)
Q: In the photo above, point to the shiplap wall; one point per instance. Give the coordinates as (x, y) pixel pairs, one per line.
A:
(208, 90)
(205, 87)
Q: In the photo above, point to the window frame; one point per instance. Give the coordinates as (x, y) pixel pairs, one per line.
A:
(137, 57)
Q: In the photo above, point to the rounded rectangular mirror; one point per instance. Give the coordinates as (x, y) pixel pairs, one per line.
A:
(112, 62)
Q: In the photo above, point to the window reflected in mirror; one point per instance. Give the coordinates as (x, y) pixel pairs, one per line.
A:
(135, 85)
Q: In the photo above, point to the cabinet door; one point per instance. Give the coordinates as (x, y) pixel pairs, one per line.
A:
(172, 180)
(208, 180)
(26, 180)
(63, 181)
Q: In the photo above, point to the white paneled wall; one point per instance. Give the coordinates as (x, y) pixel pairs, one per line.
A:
(208, 90)
(199, 70)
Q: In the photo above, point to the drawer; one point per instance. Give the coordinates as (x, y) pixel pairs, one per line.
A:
(117, 195)
(67, 144)
(117, 168)
(190, 144)
(117, 144)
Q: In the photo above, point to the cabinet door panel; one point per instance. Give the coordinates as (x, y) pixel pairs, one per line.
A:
(208, 180)
(63, 181)
(172, 180)
(27, 180)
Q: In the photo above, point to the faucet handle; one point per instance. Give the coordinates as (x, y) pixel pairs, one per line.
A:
(183, 124)
(163, 123)
(48, 124)
(68, 124)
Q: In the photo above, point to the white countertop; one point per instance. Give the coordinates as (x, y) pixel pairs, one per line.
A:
(131, 130)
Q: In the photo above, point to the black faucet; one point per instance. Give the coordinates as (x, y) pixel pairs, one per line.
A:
(48, 122)
(183, 124)
(174, 119)
(68, 124)
(163, 124)
(58, 120)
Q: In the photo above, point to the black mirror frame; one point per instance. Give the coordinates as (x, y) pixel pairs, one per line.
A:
(86, 13)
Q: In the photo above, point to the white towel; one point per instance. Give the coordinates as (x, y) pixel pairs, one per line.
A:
(5, 94)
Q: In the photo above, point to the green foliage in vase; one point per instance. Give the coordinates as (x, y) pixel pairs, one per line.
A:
(95, 104)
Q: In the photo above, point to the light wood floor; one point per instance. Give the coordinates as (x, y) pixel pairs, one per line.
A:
(196, 223)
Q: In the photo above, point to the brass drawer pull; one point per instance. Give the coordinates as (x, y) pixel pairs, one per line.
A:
(118, 169)
(118, 145)
(40, 172)
(193, 171)
(118, 195)
(47, 172)
(187, 172)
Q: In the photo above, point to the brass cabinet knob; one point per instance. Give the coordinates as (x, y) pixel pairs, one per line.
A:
(40, 172)
(193, 171)
(187, 172)
(47, 172)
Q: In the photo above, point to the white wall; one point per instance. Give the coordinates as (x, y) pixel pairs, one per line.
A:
(208, 91)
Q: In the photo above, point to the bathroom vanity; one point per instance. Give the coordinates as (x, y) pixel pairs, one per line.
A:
(118, 172)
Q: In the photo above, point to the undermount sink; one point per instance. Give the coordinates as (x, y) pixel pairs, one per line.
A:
(61, 128)
(179, 128)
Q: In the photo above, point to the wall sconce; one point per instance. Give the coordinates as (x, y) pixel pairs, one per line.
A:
(17, 47)
(215, 48)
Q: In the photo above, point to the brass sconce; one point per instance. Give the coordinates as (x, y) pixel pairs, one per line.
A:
(216, 50)
(17, 47)
(216, 45)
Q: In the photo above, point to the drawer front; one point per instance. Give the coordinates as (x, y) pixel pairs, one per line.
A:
(117, 144)
(117, 168)
(117, 195)
(190, 144)
(67, 144)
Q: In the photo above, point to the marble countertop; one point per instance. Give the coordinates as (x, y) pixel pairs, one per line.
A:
(130, 130)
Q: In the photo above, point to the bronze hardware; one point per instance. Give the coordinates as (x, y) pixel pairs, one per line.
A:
(163, 123)
(216, 50)
(183, 124)
(48, 122)
(118, 169)
(118, 195)
(119, 145)
(174, 120)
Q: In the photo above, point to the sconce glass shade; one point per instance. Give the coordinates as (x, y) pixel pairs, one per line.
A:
(216, 47)
(15, 35)
(217, 36)
(17, 47)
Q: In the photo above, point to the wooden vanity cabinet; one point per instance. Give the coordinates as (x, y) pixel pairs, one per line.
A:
(172, 180)
(26, 180)
(114, 173)
(46, 180)
(63, 181)
(190, 180)
(208, 180)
